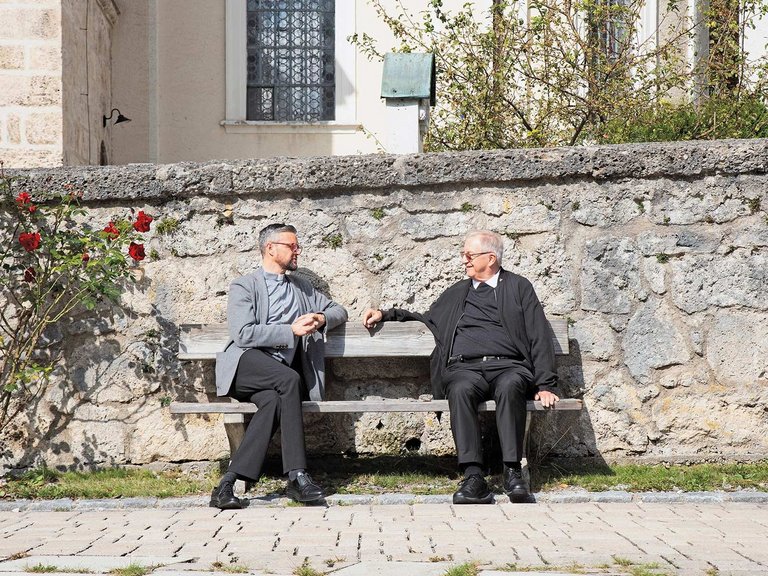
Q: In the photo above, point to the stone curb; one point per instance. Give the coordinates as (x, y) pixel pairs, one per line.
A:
(574, 497)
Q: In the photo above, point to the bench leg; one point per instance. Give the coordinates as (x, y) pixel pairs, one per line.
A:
(524, 461)
(234, 425)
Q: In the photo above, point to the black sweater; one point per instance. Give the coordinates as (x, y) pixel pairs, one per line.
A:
(521, 315)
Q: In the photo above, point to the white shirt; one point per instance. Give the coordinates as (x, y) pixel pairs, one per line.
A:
(492, 281)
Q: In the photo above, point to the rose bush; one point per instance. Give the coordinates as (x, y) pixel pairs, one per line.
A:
(53, 259)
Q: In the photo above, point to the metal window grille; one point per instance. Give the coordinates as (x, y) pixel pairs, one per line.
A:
(614, 33)
(291, 69)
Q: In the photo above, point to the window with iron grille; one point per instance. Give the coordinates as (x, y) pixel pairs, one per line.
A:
(614, 33)
(291, 68)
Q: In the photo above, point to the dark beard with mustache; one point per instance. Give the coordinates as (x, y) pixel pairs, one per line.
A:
(292, 266)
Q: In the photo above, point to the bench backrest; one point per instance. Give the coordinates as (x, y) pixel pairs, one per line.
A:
(350, 340)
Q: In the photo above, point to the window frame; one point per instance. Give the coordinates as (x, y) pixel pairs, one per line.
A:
(236, 71)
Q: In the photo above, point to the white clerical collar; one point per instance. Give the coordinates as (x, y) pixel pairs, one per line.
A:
(492, 281)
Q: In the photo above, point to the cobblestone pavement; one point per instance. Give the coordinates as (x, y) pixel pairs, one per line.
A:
(701, 536)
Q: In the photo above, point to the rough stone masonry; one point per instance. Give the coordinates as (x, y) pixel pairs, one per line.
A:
(657, 254)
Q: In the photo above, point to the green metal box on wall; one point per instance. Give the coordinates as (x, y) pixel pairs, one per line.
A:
(409, 76)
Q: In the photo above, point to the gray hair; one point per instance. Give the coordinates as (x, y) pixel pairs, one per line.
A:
(269, 233)
(489, 242)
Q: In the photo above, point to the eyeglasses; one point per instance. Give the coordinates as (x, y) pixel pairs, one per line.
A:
(470, 257)
(295, 248)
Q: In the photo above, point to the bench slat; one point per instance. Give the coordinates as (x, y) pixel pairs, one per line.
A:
(331, 406)
(350, 340)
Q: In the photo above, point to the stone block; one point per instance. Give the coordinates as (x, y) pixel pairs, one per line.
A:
(610, 277)
(736, 279)
(13, 124)
(38, 90)
(652, 340)
(596, 339)
(737, 347)
(45, 58)
(20, 157)
(33, 23)
(11, 57)
(43, 127)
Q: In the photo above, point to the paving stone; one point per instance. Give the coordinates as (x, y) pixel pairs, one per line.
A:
(395, 569)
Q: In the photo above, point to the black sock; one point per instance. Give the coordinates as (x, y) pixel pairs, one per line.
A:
(228, 478)
(470, 468)
(514, 465)
(292, 474)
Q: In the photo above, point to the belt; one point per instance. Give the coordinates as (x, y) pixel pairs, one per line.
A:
(463, 359)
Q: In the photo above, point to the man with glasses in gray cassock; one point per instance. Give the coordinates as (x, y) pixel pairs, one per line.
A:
(275, 356)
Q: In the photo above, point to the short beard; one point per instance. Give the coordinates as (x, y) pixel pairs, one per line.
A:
(292, 266)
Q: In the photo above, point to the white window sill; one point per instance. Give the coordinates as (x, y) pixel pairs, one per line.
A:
(252, 127)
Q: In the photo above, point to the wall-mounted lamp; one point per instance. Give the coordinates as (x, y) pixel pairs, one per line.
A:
(120, 117)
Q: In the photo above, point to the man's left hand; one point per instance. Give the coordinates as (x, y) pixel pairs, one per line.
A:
(547, 399)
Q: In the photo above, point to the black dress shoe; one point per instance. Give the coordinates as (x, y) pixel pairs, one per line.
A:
(303, 489)
(473, 490)
(514, 485)
(223, 496)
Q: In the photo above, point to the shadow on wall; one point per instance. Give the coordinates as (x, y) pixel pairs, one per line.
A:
(567, 436)
(113, 371)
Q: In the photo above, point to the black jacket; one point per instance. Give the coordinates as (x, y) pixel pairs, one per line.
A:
(521, 315)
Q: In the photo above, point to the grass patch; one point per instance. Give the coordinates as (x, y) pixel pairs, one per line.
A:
(230, 568)
(111, 483)
(626, 567)
(306, 570)
(466, 569)
(47, 568)
(642, 478)
(42, 568)
(131, 570)
(419, 475)
(410, 482)
(167, 226)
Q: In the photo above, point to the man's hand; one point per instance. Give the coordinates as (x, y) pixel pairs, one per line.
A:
(547, 399)
(371, 317)
(307, 324)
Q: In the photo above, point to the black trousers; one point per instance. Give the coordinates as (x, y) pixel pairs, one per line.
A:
(468, 384)
(276, 390)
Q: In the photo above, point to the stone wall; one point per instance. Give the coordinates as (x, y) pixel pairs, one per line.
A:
(655, 253)
(30, 83)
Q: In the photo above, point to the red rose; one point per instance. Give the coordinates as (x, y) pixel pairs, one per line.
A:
(30, 274)
(86, 257)
(112, 231)
(136, 251)
(23, 198)
(142, 222)
(30, 240)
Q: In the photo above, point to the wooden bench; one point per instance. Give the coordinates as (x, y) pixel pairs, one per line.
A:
(351, 340)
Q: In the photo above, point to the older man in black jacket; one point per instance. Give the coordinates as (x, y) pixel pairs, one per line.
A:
(491, 342)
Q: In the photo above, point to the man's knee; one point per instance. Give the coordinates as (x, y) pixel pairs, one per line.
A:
(266, 399)
(460, 389)
(511, 385)
(290, 385)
